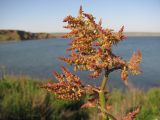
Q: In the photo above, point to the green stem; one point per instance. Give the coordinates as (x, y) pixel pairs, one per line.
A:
(104, 81)
(102, 96)
(102, 104)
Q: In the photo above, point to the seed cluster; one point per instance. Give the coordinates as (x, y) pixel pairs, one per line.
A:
(91, 47)
(65, 90)
(69, 86)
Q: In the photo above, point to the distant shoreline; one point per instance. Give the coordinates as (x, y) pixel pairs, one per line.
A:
(156, 34)
(19, 35)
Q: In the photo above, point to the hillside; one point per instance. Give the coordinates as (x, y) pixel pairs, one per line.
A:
(18, 35)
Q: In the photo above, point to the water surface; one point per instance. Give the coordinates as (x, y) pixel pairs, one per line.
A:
(38, 58)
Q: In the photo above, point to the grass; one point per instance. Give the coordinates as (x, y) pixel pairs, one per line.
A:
(21, 98)
(149, 102)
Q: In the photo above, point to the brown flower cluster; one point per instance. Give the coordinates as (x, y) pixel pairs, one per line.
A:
(69, 86)
(91, 47)
(134, 62)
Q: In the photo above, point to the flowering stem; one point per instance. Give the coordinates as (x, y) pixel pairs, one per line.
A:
(102, 95)
(104, 81)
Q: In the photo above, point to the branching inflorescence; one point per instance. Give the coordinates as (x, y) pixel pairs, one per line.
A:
(91, 50)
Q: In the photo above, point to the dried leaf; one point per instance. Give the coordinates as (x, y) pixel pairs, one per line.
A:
(132, 115)
(88, 105)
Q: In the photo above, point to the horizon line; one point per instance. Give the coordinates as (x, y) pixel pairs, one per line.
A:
(67, 32)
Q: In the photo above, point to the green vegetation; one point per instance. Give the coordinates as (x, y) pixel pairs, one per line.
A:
(149, 103)
(9, 36)
(22, 98)
(17, 35)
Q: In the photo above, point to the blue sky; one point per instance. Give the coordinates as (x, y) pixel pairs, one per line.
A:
(47, 15)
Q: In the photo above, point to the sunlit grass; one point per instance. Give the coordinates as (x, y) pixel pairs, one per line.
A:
(22, 98)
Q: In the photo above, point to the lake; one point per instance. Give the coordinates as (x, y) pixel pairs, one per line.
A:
(39, 58)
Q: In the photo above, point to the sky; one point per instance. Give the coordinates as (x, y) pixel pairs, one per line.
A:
(48, 15)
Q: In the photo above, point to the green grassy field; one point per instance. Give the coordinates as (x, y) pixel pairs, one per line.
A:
(21, 98)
